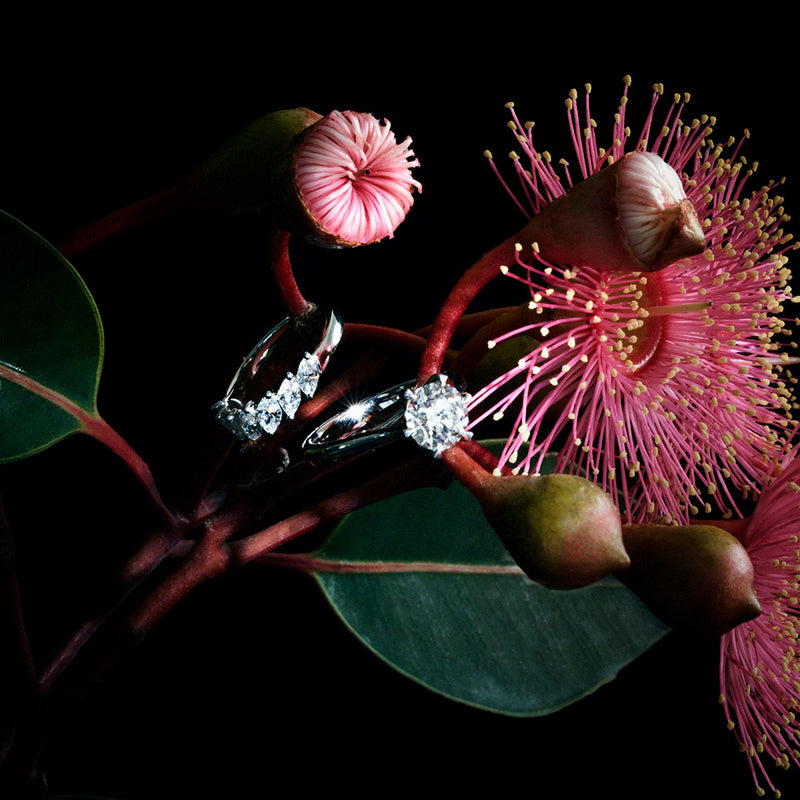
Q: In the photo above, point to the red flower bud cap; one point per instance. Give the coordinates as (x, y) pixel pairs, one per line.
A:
(354, 178)
(659, 223)
(631, 215)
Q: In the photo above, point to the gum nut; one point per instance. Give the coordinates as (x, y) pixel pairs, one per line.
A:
(562, 530)
(693, 577)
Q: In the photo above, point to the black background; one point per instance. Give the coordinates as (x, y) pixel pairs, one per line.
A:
(252, 687)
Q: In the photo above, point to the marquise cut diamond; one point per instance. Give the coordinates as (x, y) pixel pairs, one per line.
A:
(269, 412)
(241, 421)
(436, 415)
(308, 374)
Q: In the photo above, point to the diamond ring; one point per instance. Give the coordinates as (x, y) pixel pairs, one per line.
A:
(434, 415)
(271, 383)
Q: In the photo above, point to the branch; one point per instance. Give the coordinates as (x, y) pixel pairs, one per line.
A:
(95, 426)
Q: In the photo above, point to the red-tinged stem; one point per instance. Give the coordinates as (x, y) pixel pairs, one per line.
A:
(379, 334)
(100, 430)
(214, 554)
(459, 299)
(157, 206)
(467, 469)
(487, 460)
(470, 324)
(163, 543)
(59, 697)
(296, 304)
(411, 475)
(138, 567)
(305, 562)
(206, 560)
(95, 426)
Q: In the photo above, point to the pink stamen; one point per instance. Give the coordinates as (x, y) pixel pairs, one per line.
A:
(355, 178)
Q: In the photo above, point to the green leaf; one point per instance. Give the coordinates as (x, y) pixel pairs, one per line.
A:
(424, 582)
(51, 344)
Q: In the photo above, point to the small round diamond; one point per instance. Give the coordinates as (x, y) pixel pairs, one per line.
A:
(436, 415)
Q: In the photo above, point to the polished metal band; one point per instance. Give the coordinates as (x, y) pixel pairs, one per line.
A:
(434, 415)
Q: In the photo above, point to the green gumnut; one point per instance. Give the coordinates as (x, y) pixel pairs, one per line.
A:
(697, 578)
(562, 530)
(253, 171)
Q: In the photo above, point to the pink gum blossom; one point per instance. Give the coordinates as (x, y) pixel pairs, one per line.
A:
(632, 215)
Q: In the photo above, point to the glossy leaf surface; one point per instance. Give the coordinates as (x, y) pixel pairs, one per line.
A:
(51, 344)
(424, 582)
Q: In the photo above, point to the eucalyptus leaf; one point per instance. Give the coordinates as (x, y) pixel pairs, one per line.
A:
(423, 581)
(51, 344)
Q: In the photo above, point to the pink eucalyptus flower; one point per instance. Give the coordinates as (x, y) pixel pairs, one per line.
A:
(665, 387)
(354, 178)
(760, 659)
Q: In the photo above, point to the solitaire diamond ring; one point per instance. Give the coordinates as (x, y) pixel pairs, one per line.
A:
(434, 415)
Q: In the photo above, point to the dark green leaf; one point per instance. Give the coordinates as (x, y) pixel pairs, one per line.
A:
(483, 633)
(51, 344)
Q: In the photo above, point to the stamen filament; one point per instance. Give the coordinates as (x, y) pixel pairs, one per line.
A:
(681, 308)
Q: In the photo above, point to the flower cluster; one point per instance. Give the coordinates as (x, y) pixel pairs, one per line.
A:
(648, 357)
(666, 386)
(760, 659)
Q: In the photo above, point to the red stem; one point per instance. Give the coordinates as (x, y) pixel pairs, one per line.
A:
(96, 427)
(467, 469)
(100, 430)
(162, 543)
(306, 562)
(142, 564)
(411, 475)
(460, 297)
(290, 292)
(149, 209)
(212, 556)
(379, 334)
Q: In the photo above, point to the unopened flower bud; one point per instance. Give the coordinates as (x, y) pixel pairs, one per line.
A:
(697, 578)
(340, 180)
(252, 171)
(562, 530)
(632, 215)
(353, 179)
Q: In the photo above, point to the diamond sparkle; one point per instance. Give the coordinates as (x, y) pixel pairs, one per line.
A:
(436, 415)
